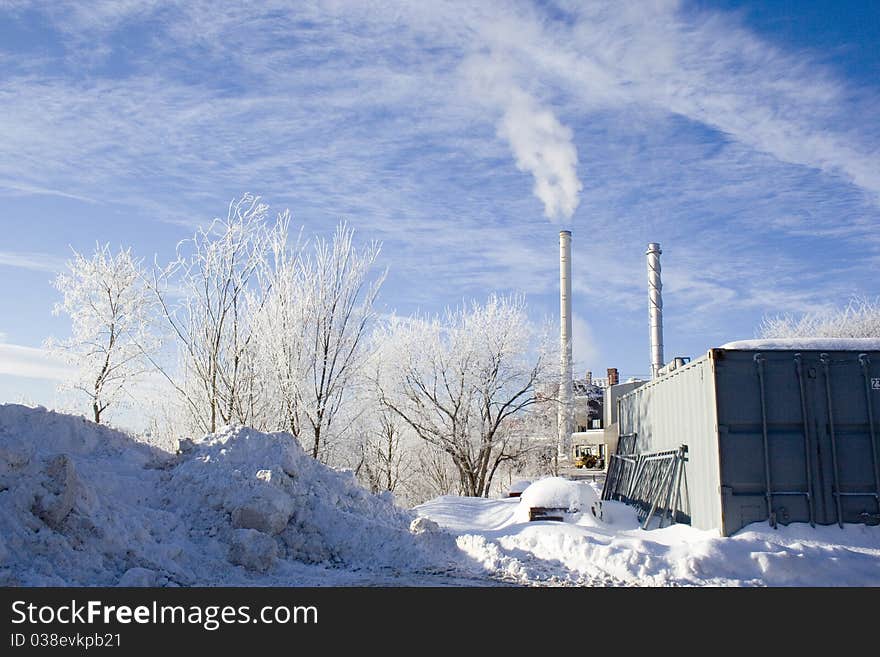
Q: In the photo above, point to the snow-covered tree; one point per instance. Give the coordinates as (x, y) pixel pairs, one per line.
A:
(312, 328)
(110, 308)
(534, 437)
(385, 458)
(432, 476)
(858, 319)
(460, 380)
(204, 296)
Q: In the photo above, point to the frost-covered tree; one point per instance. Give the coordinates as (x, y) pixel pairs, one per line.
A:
(204, 296)
(110, 308)
(460, 380)
(432, 476)
(534, 436)
(312, 328)
(385, 457)
(860, 318)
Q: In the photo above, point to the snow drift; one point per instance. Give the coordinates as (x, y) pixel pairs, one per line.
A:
(617, 552)
(242, 481)
(81, 504)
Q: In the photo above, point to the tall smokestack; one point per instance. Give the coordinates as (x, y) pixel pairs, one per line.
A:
(655, 307)
(565, 411)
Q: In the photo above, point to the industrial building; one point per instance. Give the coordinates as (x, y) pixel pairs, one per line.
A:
(752, 431)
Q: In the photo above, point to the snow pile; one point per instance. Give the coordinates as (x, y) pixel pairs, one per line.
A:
(71, 496)
(578, 499)
(252, 491)
(81, 504)
(806, 344)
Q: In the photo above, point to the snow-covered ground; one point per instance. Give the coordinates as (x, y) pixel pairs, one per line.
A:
(617, 552)
(82, 504)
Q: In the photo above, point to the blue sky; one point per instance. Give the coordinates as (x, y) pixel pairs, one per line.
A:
(742, 136)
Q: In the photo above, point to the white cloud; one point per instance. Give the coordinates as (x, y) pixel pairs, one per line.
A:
(30, 362)
(18, 188)
(32, 261)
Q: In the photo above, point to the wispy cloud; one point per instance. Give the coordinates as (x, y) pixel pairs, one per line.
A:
(32, 261)
(32, 363)
(12, 188)
(447, 129)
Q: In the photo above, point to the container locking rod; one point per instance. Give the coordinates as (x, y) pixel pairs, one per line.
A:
(799, 366)
(826, 364)
(768, 491)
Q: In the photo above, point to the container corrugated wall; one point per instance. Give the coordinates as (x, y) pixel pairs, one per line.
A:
(679, 409)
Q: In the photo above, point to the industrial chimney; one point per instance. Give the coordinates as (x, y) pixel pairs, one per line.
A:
(566, 403)
(613, 376)
(655, 307)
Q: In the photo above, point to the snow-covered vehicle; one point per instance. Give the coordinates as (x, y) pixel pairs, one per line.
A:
(517, 487)
(556, 498)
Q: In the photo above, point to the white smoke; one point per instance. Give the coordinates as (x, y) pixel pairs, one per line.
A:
(543, 146)
(540, 143)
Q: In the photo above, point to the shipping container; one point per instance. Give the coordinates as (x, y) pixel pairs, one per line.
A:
(785, 435)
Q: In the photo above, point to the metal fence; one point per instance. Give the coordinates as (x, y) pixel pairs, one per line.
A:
(651, 482)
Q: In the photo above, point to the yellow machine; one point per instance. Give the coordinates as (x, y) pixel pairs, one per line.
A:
(590, 457)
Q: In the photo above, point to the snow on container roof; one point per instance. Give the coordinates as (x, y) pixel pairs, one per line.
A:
(806, 344)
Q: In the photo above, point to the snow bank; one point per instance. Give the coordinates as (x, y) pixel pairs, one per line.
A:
(242, 479)
(81, 504)
(577, 498)
(807, 344)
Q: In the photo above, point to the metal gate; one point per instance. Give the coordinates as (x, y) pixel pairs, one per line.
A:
(650, 482)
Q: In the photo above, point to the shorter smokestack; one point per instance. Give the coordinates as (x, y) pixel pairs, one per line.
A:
(613, 377)
(655, 307)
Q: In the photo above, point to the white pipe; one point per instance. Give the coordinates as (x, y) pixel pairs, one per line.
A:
(655, 307)
(566, 402)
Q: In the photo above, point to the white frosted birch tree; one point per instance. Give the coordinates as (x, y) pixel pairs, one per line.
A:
(204, 295)
(860, 318)
(110, 308)
(313, 327)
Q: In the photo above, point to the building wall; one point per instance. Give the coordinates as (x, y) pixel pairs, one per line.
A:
(612, 394)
